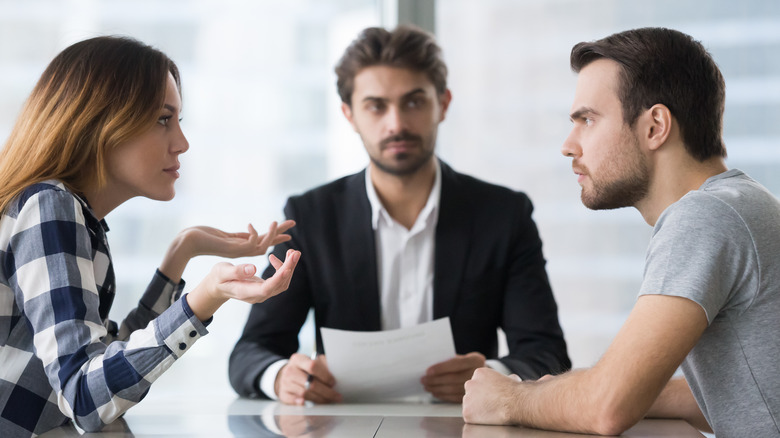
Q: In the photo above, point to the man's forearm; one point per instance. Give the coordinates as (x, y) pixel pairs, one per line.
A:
(556, 403)
(579, 401)
(613, 395)
(564, 403)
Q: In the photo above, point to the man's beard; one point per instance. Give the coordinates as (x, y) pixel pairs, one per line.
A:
(403, 164)
(625, 182)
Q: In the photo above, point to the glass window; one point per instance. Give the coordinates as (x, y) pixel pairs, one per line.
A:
(512, 90)
(260, 111)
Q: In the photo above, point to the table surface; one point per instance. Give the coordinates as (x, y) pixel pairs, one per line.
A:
(237, 417)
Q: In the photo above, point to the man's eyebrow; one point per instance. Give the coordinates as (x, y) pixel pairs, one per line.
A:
(384, 99)
(413, 92)
(582, 112)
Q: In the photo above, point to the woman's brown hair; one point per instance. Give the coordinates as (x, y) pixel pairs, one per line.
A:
(93, 96)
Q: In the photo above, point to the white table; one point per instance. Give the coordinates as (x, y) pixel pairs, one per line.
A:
(175, 416)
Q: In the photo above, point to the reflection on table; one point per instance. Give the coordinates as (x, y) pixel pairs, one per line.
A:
(253, 418)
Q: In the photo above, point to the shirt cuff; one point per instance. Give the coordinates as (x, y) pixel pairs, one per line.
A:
(178, 328)
(498, 366)
(190, 314)
(267, 380)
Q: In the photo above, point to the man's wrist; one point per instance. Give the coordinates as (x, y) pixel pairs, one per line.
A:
(499, 366)
(267, 380)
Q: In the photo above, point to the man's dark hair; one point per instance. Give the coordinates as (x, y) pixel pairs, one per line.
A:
(405, 47)
(665, 66)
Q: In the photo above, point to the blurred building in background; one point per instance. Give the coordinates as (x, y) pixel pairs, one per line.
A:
(264, 122)
(512, 91)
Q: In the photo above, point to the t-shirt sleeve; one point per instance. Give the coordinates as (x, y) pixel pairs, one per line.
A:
(701, 250)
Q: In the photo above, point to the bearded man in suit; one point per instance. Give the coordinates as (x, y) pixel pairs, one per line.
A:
(403, 242)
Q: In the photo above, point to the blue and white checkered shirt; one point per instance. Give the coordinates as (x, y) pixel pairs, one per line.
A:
(61, 358)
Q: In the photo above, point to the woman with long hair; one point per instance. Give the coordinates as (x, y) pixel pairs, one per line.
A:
(100, 127)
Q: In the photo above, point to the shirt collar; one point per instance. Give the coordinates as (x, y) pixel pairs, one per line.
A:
(429, 212)
(88, 209)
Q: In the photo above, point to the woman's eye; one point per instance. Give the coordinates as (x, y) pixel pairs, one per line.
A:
(163, 120)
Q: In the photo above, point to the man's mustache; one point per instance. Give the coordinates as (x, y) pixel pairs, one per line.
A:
(404, 136)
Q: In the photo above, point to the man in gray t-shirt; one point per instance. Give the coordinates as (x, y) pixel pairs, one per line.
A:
(718, 246)
(647, 122)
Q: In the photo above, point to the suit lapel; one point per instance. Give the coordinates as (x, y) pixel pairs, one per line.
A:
(359, 250)
(453, 240)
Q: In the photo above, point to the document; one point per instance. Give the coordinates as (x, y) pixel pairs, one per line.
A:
(386, 365)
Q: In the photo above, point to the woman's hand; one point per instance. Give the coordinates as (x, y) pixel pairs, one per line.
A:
(202, 240)
(226, 281)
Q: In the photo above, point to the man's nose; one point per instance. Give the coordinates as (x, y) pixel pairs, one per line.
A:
(571, 147)
(394, 120)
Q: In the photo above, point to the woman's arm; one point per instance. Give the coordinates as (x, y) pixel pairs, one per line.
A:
(166, 286)
(63, 283)
(226, 281)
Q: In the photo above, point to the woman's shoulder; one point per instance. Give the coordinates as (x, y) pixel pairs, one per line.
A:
(49, 194)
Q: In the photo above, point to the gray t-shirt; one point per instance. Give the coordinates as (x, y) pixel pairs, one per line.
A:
(719, 246)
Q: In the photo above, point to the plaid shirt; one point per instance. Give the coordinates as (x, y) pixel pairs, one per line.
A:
(61, 358)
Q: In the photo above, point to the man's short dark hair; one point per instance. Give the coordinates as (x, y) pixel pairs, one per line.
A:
(406, 47)
(665, 66)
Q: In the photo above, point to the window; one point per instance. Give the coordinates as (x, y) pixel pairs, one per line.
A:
(512, 91)
(260, 111)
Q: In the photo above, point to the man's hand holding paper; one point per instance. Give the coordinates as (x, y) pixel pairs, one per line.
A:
(445, 380)
(387, 365)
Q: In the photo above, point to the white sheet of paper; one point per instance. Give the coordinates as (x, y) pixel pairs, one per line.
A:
(385, 365)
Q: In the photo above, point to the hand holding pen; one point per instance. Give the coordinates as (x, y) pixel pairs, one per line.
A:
(306, 378)
(311, 376)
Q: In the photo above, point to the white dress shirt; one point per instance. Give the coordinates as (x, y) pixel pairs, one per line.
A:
(405, 259)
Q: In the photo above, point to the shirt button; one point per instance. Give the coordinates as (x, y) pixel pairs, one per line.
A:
(193, 334)
(182, 346)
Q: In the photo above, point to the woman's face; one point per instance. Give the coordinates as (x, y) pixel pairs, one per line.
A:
(149, 164)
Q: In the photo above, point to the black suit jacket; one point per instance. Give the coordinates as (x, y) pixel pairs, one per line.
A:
(488, 273)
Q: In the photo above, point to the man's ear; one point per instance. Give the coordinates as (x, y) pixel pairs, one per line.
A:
(656, 126)
(347, 110)
(444, 100)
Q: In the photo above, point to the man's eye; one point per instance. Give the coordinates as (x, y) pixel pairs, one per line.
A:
(588, 121)
(415, 103)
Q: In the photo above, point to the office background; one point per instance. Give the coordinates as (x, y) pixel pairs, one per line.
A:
(263, 120)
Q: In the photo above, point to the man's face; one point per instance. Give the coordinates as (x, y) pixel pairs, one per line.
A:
(396, 112)
(607, 158)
